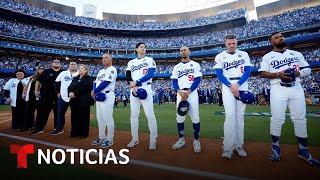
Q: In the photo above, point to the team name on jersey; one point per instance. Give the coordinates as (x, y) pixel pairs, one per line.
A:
(67, 78)
(100, 77)
(234, 64)
(185, 72)
(139, 66)
(276, 64)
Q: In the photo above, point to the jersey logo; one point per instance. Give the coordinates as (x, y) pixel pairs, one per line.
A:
(138, 67)
(13, 85)
(287, 61)
(67, 78)
(185, 72)
(102, 76)
(234, 64)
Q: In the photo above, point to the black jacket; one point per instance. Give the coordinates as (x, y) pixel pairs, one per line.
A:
(81, 87)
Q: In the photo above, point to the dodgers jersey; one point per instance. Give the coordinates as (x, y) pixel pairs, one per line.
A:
(139, 67)
(274, 62)
(107, 74)
(185, 73)
(65, 77)
(232, 64)
(12, 86)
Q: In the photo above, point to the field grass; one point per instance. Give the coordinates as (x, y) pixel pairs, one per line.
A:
(8, 166)
(256, 127)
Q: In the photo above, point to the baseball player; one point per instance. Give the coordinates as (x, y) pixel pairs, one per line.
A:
(233, 70)
(286, 91)
(186, 78)
(105, 85)
(139, 74)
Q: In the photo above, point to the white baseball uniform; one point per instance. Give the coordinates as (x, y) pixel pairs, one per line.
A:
(65, 77)
(12, 86)
(233, 68)
(185, 73)
(139, 68)
(104, 109)
(281, 96)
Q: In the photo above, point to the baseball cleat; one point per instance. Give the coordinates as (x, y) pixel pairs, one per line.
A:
(227, 154)
(305, 155)
(97, 141)
(106, 144)
(196, 146)
(179, 144)
(241, 152)
(275, 154)
(133, 143)
(152, 146)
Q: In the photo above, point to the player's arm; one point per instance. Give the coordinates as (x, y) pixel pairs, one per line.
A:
(305, 69)
(197, 79)
(222, 78)
(281, 75)
(245, 76)
(101, 86)
(146, 77)
(246, 71)
(7, 91)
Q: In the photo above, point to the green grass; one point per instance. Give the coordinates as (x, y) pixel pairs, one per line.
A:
(256, 127)
(8, 166)
(5, 107)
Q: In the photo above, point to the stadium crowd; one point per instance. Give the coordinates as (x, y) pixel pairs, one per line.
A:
(28, 63)
(288, 20)
(110, 24)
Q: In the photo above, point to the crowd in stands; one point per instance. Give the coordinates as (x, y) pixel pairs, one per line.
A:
(288, 20)
(28, 63)
(110, 24)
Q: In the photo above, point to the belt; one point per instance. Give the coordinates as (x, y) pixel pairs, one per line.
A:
(107, 92)
(287, 84)
(234, 78)
(140, 84)
(185, 89)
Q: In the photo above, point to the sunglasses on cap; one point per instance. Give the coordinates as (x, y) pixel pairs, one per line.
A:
(56, 62)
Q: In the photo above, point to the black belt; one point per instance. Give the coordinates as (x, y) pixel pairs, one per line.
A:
(107, 92)
(185, 89)
(287, 84)
(148, 83)
(234, 78)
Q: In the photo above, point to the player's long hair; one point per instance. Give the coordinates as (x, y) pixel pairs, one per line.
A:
(35, 75)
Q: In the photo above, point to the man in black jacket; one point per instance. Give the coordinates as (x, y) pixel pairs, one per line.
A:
(44, 90)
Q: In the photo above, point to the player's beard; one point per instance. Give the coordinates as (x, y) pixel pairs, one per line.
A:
(281, 45)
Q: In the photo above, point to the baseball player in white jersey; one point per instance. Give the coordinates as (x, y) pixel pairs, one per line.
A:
(286, 91)
(186, 78)
(233, 70)
(104, 85)
(61, 85)
(139, 74)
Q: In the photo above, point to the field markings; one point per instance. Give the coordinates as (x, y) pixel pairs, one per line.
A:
(137, 162)
(5, 120)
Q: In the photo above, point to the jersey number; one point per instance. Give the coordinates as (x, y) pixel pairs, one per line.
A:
(190, 77)
(296, 67)
(145, 71)
(241, 69)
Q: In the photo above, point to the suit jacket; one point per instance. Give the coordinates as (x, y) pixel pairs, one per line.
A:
(81, 87)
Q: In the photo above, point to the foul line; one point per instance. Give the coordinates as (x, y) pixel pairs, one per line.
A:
(5, 121)
(136, 162)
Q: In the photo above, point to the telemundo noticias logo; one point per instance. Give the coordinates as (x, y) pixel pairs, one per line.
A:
(58, 156)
